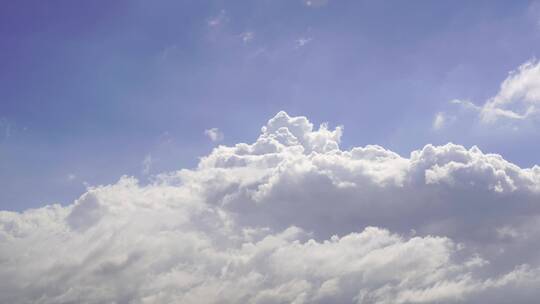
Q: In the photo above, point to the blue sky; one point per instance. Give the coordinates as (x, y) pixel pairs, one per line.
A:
(269, 151)
(90, 90)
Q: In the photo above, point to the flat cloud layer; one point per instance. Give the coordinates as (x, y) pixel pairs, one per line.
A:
(291, 218)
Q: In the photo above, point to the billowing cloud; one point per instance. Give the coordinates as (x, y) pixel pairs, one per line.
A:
(518, 97)
(290, 218)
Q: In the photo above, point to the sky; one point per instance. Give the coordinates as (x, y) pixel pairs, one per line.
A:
(88, 91)
(269, 151)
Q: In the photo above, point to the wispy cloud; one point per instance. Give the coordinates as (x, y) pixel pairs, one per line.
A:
(315, 3)
(218, 20)
(302, 41)
(214, 134)
(439, 121)
(147, 164)
(466, 104)
(247, 36)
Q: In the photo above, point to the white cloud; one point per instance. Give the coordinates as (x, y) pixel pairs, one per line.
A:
(71, 177)
(518, 97)
(466, 104)
(218, 20)
(302, 41)
(214, 134)
(438, 121)
(247, 36)
(290, 218)
(442, 120)
(315, 3)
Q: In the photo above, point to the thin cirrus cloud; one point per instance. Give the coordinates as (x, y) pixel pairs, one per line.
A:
(289, 218)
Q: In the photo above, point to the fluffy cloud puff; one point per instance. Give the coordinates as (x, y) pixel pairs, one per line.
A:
(290, 218)
(518, 97)
(515, 105)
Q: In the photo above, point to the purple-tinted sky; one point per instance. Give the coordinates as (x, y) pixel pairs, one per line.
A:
(270, 151)
(92, 90)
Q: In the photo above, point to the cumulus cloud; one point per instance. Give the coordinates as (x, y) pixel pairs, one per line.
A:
(518, 97)
(214, 134)
(289, 218)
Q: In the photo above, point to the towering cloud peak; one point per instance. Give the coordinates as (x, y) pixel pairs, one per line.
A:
(290, 131)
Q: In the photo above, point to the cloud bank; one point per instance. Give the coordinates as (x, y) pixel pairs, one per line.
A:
(290, 218)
